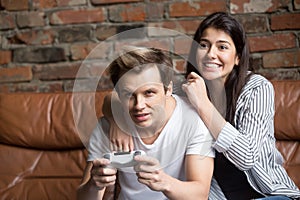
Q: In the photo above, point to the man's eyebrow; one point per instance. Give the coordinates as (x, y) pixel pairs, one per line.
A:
(127, 90)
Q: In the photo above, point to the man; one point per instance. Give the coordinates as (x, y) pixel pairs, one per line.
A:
(178, 163)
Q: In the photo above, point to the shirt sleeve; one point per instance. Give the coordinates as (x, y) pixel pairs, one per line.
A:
(253, 131)
(201, 141)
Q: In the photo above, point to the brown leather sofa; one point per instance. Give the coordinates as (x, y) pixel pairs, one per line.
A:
(42, 155)
(41, 151)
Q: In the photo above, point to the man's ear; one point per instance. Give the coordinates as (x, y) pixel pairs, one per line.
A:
(169, 90)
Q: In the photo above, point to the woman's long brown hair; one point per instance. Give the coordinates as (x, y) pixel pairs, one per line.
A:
(239, 76)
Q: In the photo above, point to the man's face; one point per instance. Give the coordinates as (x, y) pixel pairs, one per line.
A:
(143, 96)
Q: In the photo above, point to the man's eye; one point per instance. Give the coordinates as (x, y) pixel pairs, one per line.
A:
(127, 95)
(149, 92)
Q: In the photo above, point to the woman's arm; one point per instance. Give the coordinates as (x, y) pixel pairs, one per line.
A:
(120, 140)
(243, 142)
(254, 129)
(195, 89)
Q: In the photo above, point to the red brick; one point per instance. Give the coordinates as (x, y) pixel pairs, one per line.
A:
(15, 5)
(90, 51)
(182, 45)
(281, 74)
(250, 6)
(189, 9)
(128, 12)
(69, 71)
(159, 0)
(254, 23)
(42, 4)
(163, 29)
(272, 42)
(183, 26)
(35, 37)
(27, 87)
(179, 65)
(5, 57)
(104, 32)
(96, 69)
(55, 71)
(56, 86)
(160, 43)
(285, 21)
(31, 19)
(71, 2)
(113, 1)
(16, 74)
(77, 16)
(7, 21)
(281, 59)
(155, 11)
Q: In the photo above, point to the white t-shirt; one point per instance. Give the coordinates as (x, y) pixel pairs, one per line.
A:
(184, 134)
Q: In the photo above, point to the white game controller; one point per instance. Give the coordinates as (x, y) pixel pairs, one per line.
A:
(123, 159)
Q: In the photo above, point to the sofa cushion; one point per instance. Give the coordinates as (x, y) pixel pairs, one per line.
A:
(287, 109)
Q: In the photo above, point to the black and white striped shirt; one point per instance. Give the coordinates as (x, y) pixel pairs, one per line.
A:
(250, 144)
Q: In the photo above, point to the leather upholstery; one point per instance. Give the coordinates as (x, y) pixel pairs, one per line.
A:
(42, 139)
(287, 125)
(42, 155)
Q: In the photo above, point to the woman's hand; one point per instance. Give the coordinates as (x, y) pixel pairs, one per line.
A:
(120, 141)
(195, 89)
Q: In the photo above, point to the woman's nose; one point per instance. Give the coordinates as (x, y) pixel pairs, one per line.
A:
(212, 52)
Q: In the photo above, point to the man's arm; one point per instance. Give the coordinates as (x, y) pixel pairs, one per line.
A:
(199, 172)
(95, 180)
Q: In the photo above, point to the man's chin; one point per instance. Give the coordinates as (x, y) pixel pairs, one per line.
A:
(146, 130)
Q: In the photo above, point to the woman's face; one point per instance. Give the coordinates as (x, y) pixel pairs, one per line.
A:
(216, 54)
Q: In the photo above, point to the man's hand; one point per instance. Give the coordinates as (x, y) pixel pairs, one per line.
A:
(101, 175)
(150, 173)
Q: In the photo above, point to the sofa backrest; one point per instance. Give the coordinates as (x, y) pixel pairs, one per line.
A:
(41, 143)
(287, 125)
(42, 136)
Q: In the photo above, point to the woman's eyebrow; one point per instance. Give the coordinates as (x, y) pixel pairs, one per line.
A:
(219, 41)
(224, 41)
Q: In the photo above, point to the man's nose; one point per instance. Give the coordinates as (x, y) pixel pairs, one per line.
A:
(140, 102)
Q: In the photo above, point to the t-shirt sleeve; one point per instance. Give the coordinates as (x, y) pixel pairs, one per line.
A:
(201, 141)
(99, 142)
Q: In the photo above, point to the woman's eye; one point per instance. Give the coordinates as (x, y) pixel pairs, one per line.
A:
(223, 47)
(202, 45)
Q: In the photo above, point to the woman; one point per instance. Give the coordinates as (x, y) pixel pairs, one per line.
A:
(237, 106)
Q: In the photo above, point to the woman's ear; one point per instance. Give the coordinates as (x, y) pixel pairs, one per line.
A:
(169, 90)
(237, 60)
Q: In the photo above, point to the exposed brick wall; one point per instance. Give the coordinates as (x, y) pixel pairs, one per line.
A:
(48, 45)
